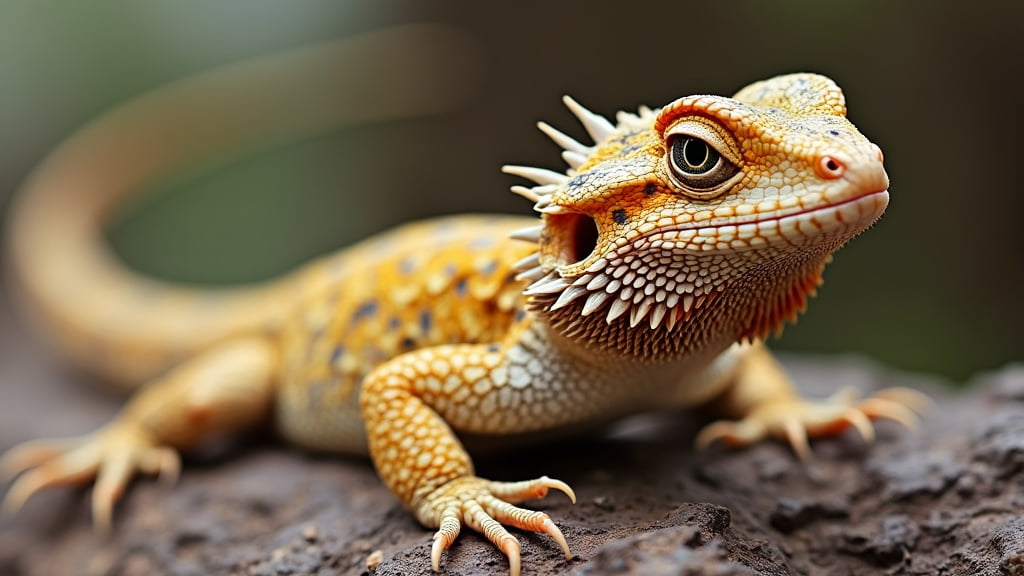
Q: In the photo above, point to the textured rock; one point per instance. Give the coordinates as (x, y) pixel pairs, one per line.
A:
(945, 499)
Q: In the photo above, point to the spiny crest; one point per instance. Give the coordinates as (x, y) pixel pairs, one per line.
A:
(616, 287)
(574, 153)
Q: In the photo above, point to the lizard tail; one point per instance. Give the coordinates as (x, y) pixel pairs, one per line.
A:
(126, 328)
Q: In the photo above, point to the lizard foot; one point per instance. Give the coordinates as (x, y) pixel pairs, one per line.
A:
(485, 506)
(111, 456)
(795, 419)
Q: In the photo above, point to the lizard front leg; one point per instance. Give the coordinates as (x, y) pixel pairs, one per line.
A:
(226, 389)
(410, 405)
(765, 403)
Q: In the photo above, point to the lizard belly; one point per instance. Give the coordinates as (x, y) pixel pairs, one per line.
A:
(443, 281)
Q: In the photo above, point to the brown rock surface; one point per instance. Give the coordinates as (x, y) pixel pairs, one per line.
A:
(946, 499)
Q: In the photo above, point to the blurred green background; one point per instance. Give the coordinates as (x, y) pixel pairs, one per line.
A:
(934, 287)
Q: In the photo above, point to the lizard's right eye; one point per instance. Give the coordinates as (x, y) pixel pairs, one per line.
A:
(702, 157)
(697, 165)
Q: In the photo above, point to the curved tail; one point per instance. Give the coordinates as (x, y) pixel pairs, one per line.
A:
(126, 328)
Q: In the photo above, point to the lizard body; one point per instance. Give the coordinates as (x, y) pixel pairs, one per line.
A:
(672, 246)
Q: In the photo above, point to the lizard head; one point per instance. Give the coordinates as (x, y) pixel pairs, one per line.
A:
(710, 219)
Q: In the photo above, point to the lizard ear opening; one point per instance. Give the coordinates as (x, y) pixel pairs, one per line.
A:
(574, 237)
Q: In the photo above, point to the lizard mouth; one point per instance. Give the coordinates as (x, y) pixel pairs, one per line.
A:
(797, 226)
(575, 237)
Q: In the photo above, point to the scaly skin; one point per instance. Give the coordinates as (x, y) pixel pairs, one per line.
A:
(664, 255)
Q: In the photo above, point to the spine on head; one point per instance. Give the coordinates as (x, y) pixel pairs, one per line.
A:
(125, 328)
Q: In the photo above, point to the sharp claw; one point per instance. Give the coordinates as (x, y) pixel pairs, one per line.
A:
(446, 533)
(510, 547)
(436, 549)
(712, 433)
(164, 462)
(796, 434)
(41, 478)
(31, 455)
(856, 418)
(560, 486)
(551, 530)
(111, 481)
(884, 408)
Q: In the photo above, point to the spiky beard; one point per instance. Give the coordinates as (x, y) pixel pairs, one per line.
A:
(657, 305)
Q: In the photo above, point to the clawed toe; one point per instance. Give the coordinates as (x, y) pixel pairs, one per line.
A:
(487, 507)
(797, 419)
(110, 456)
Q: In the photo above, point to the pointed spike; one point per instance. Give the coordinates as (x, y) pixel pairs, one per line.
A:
(531, 275)
(567, 142)
(599, 282)
(639, 312)
(658, 315)
(550, 284)
(545, 190)
(531, 261)
(622, 116)
(573, 160)
(618, 308)
(673, 317)
(645, 111)
(525, 192)
(594, 301)
(687, 302)
(582, 280)
(567, 296)
(596, 125)
(531, 234)
(541, 176)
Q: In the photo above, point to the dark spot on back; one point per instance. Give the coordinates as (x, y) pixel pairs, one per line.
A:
(834, 132)
(366, 310)
(408, 343)
(651, 189)
(461, 287)
(426, 320)
(489, 268)
(337, 353)
(620, 216)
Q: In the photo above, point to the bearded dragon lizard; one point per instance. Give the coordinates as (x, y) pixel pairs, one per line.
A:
(662, 257)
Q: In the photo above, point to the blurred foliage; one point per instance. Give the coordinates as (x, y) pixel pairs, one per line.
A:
(933, 287)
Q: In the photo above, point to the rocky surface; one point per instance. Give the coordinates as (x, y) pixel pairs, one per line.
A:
(946, 499)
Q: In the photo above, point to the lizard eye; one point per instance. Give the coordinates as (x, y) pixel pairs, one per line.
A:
(697, 165)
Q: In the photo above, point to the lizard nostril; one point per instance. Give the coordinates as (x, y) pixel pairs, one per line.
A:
(829, 168)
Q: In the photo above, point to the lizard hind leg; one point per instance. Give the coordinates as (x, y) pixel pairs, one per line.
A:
(224, 390)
